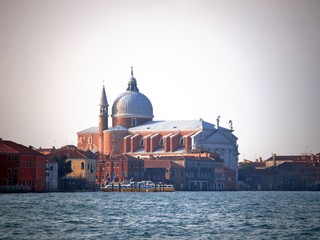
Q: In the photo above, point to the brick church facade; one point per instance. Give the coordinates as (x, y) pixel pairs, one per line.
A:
(135, 133)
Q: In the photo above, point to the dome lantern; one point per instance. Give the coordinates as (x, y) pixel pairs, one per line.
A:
(132, 84)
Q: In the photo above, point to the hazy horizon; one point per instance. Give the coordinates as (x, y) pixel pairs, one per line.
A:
(255, 63)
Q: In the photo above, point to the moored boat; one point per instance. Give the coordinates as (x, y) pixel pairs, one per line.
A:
(142, 186)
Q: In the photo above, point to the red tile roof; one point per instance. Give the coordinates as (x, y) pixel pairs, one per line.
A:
(12, 147)
(294, 158)
(161, 164)
(122, 156)
(72, 152)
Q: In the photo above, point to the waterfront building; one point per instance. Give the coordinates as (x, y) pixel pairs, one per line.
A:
(21, 167)
(118, 168)
(134, 132)
(276, 160)
(195, 172)
(229, 177)
(51, 176)
(83, 165)
(281, 172)
(165, 170)
(258, 164)
(293, 176)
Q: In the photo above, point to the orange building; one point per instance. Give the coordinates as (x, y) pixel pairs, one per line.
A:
(118, 168)
(21, 167)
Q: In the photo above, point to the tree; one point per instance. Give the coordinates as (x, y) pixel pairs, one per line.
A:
(64, 167)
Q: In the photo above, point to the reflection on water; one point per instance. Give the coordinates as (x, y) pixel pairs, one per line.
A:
(177, 215)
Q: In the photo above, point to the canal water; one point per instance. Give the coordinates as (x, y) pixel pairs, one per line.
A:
(177, 215)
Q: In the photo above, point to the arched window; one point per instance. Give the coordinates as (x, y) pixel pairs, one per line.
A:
(181, 142)
(161, 142)
(142, 142)
(133, 122)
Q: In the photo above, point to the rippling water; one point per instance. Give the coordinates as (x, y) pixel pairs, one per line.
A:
(178, 215)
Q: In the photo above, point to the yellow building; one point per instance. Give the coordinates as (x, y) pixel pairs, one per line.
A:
(83, 165)
(83, 168)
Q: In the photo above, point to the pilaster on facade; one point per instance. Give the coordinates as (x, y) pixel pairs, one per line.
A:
(147, 142)
(166, 142)
(127, 143)
(174, 141)
(155, 142)
(188, 142)
(135, 142)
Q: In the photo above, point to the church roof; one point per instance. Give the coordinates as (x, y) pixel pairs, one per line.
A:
(117, 128)
(90, 130)
(132, 104)
(174, 125)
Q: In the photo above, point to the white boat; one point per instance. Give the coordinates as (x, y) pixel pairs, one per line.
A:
(142, 186)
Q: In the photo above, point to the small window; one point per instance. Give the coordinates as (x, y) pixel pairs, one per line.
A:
(102, 110)
(90, 140)
(133, 122)
(9, 171)
(181, 142)
(82, 165)
(142, 142)
(161, 142)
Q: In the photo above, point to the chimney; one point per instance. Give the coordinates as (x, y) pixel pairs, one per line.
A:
(274, 159)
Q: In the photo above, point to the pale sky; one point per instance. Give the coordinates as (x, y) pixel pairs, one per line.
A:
(254, 62)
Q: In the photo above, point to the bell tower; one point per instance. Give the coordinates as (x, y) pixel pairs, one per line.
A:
(103, 118)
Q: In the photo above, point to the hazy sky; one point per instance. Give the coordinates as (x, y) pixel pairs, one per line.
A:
(254, 62)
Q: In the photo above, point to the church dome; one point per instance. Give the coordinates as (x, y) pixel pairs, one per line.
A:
(132, 103)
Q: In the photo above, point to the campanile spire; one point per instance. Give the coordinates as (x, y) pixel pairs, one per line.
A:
(103, 117)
